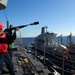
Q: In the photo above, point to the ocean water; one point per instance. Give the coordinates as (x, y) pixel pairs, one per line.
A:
(27, 41)
(65, 40)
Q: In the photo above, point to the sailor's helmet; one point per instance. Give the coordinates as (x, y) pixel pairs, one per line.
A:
(1, 25)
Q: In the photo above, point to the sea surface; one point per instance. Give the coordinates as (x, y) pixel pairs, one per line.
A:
(26, 41)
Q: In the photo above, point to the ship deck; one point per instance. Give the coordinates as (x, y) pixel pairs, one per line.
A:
(27, 64)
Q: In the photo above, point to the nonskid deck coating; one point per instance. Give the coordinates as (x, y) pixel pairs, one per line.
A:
(37, 64)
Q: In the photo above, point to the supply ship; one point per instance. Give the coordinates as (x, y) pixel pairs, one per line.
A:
(57, 54)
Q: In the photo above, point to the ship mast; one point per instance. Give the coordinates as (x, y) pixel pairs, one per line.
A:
(46, 28)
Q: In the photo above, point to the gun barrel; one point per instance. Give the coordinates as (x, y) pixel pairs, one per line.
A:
(13, 28)
(36, 23)
(22, 26)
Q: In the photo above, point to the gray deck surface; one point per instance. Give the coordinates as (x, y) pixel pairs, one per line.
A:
(38, 66)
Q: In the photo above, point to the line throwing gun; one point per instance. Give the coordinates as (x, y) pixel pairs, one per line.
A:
(22, 26)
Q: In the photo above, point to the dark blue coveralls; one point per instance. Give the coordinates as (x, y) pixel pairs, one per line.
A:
(5, 57)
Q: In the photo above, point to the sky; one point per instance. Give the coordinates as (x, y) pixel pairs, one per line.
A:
(57, 15)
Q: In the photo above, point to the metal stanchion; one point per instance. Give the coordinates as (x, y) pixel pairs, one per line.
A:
(20, 39)
(44, 50)
(36, 50)
(63, 64)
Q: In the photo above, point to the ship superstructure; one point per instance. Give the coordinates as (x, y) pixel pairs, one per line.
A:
(48, 38)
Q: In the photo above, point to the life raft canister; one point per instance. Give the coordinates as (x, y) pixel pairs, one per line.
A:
(3, 4)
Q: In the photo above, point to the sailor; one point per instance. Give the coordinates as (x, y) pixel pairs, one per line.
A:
(4, 55)
(11, 35)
